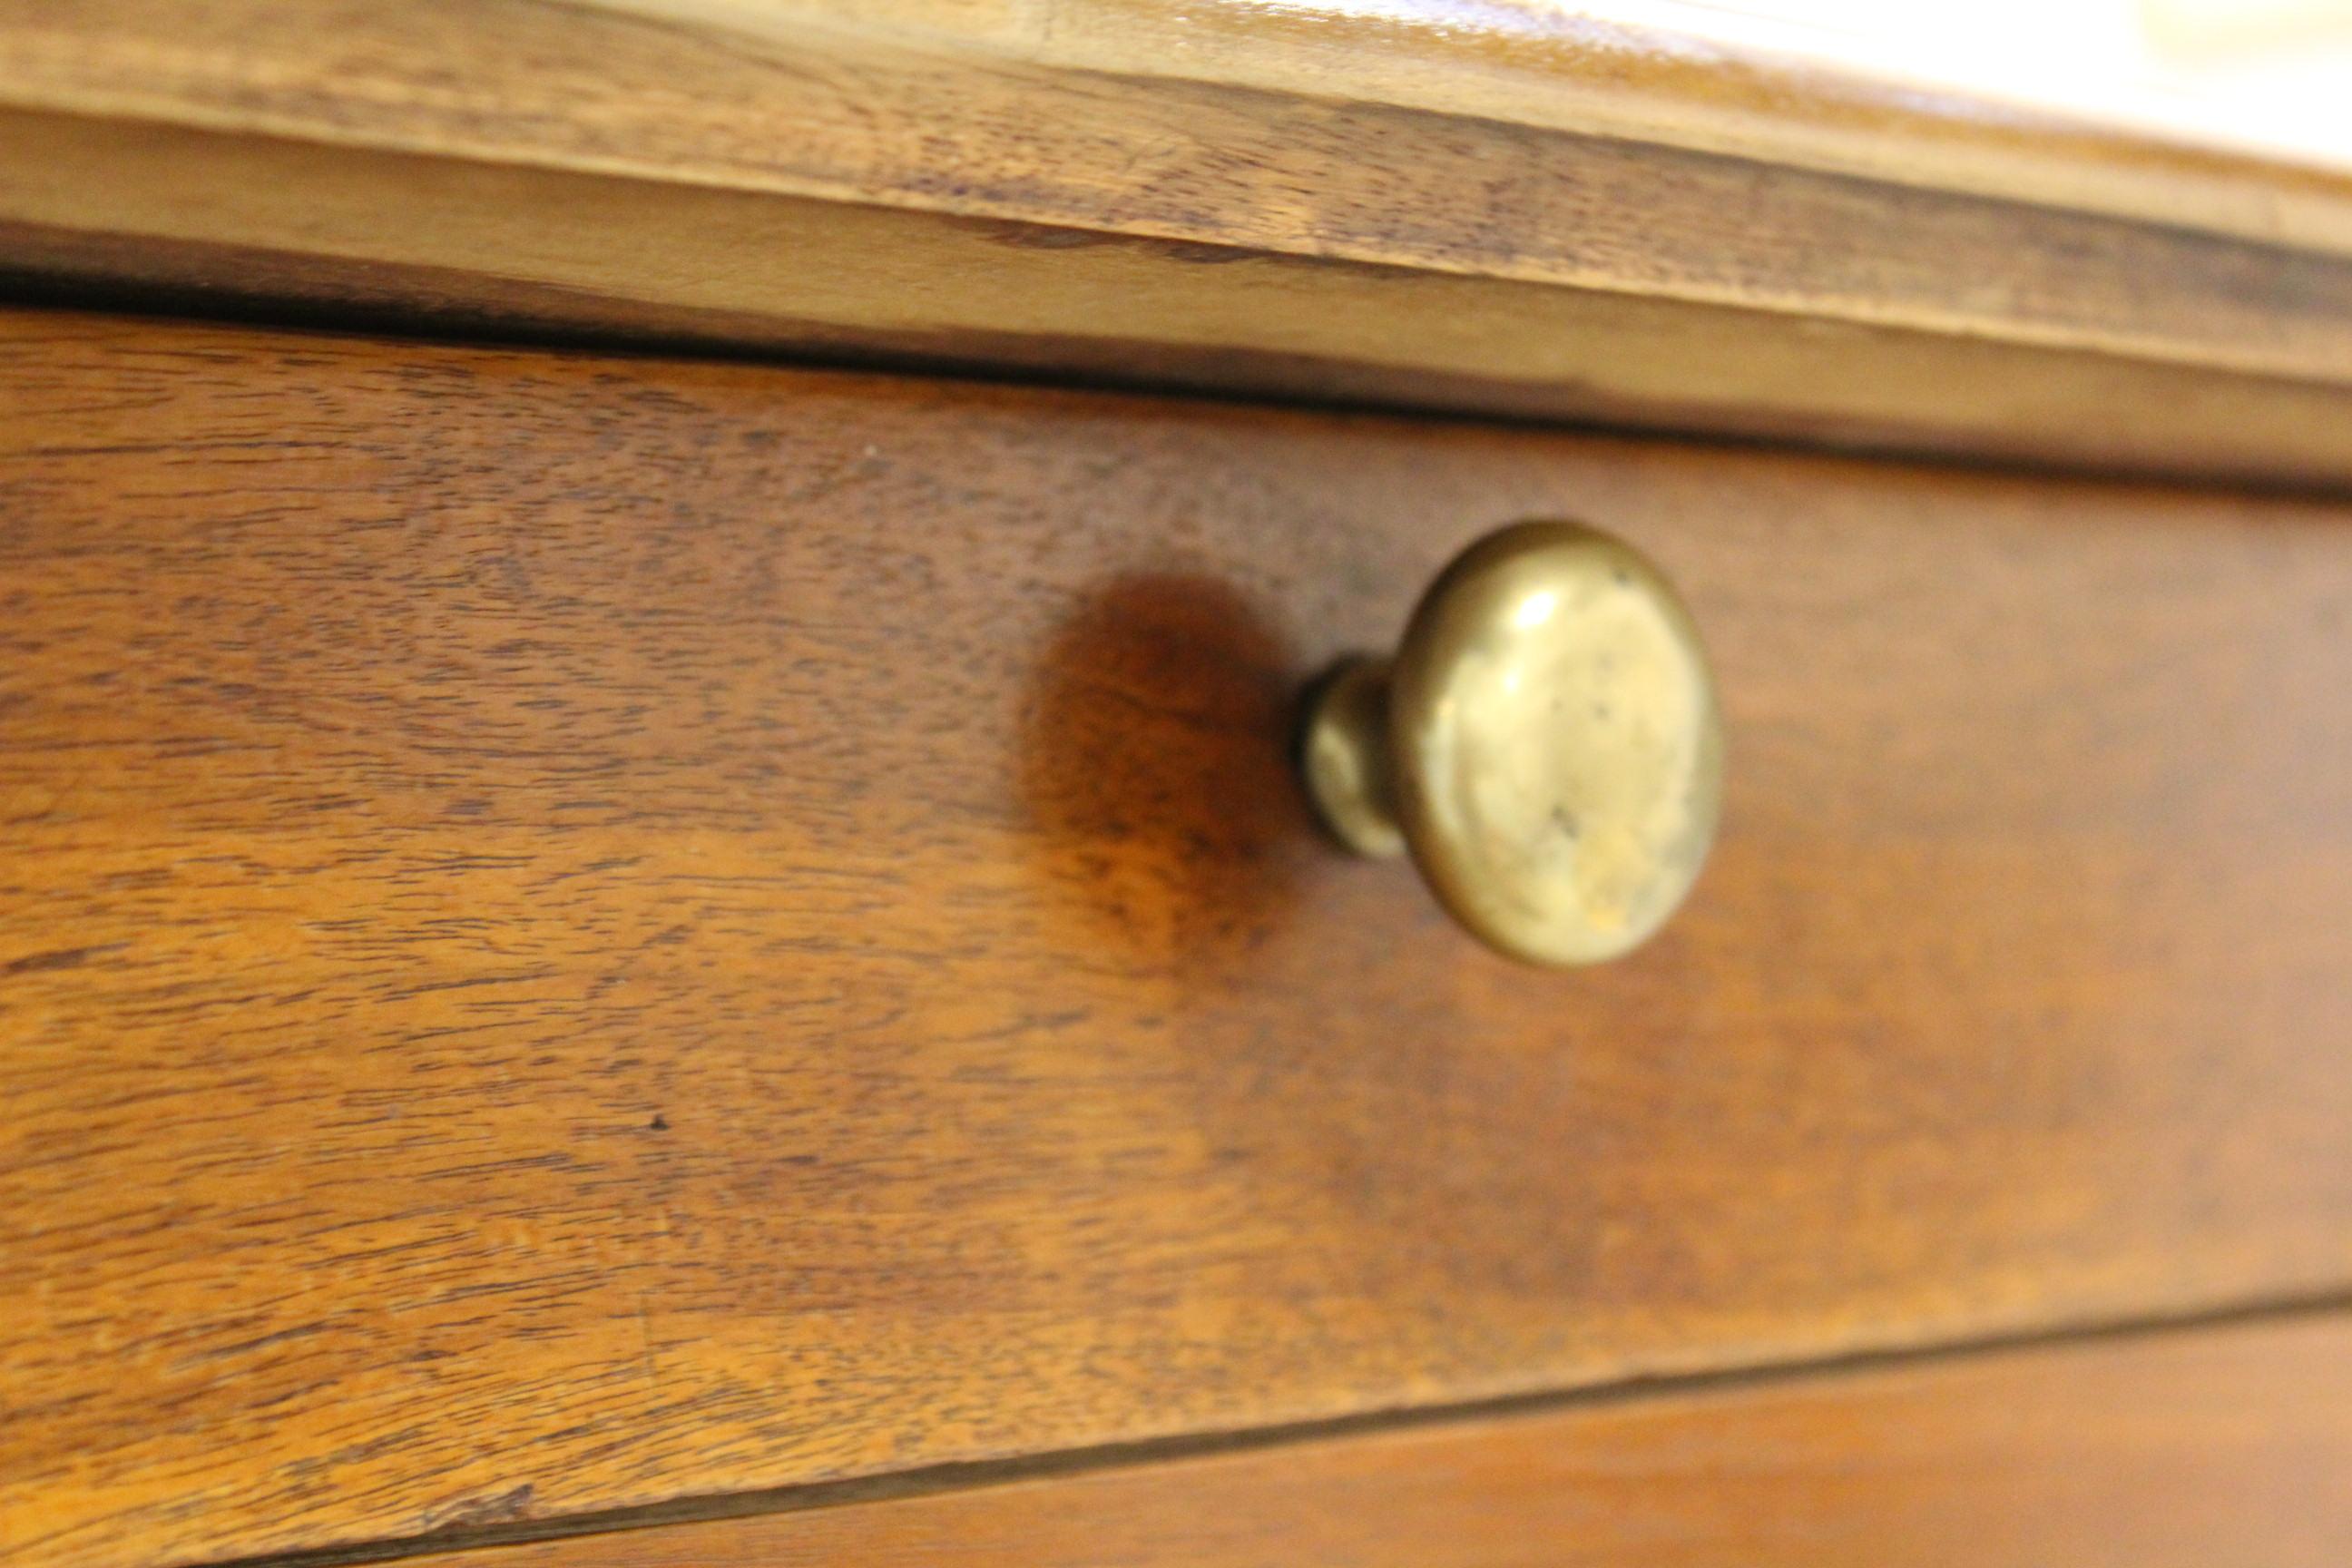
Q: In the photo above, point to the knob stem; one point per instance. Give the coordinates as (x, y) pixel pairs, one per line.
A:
(1349, 766)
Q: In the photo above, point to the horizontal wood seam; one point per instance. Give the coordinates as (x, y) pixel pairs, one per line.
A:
(283, 314)
(934, 1480)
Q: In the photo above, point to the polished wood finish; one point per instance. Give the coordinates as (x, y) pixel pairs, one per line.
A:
(1490, 207)
(2226, 1448)
(581, 931)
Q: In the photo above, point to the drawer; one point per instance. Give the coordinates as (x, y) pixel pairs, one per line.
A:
(582, 931)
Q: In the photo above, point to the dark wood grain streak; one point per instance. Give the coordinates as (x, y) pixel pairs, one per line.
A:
(2211, 1449)
(580, 931)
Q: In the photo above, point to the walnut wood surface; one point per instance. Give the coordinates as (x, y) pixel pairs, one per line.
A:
(2225, 1448)
(1494, 207)
(580, 931)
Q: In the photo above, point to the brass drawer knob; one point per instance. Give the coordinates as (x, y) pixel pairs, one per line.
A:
(1546, 741)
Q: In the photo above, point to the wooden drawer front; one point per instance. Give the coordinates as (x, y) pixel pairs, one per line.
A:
(585, 932)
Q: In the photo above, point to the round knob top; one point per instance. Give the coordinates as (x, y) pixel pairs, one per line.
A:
(1545, 741)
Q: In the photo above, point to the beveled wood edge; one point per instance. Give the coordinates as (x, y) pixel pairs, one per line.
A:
(2179, 1443)
(194, 213)
(534, 165)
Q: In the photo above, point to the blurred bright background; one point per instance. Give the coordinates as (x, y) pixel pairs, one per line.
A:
(2273, 73)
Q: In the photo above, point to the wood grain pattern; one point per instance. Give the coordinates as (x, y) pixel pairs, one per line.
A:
(582, 931)
(2216, 1450)
(1560, 218)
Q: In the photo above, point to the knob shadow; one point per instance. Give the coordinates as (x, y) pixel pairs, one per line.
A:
(1156, 764)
